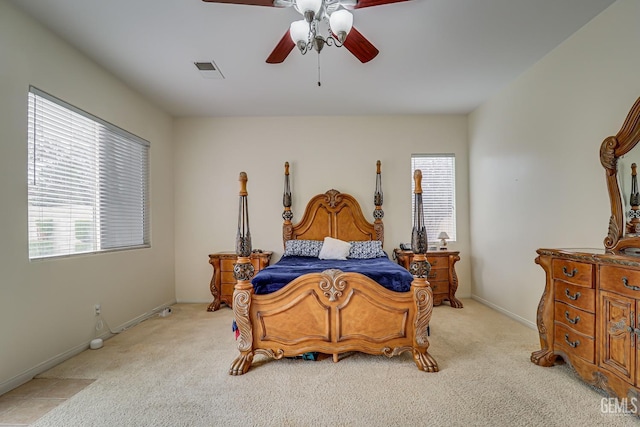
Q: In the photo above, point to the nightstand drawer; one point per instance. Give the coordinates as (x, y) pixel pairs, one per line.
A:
(438, 275)
(227, 264)
(227, 288)
(442, 276)
(438, 262)
(223, 282)
(227, 277)
(440, 286)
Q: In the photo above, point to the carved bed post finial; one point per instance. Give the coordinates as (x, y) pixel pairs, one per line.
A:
(287, 215)
(422, 293)
(378, 213)
(419, 231)
(243, 236)
(633, 225)
(243, 290)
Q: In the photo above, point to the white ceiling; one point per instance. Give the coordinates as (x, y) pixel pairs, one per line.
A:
(436, 56)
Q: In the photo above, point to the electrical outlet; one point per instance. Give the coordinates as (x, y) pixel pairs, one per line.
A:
(98, 309)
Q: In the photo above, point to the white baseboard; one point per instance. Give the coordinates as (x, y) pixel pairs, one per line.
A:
(506, 312)
(29, 374)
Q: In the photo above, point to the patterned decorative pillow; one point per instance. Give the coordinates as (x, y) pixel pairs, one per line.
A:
(366, 249)
(302, 248)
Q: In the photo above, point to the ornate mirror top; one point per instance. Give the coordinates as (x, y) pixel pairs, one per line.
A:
(624, 223)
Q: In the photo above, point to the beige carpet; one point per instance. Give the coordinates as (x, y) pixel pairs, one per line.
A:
(172, 371)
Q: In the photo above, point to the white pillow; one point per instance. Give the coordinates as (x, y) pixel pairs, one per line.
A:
(334, 249)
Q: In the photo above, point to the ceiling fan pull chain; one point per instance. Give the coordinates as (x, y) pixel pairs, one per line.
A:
(319, 84)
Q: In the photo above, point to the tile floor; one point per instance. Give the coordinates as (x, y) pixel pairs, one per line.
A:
(25, 404)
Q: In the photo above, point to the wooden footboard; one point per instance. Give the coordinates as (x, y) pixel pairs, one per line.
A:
(333, 312)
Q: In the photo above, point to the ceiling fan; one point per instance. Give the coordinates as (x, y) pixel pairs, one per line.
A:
(329, 14)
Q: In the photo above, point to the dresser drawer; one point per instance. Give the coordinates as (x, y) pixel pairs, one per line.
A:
(576, 296)
(573, 343)
(621, 280)
(578, 320)
(577, 273)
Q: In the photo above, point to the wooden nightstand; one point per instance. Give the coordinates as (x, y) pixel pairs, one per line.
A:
(442, 278)
(222, 282)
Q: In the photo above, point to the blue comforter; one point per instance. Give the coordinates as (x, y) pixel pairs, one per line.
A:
(384, 271)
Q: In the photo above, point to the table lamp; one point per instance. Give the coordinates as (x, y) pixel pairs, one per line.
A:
(443, 236)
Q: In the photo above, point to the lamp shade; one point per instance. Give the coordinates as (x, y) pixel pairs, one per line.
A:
(299, 31)
(341, 21)
(309, 6)
(443, 235)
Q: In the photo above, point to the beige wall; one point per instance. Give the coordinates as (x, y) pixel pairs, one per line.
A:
(324, 153)
(536, 178)
(46, 307)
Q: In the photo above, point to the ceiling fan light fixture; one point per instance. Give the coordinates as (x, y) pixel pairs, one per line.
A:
(341, 22)
(309, 8)
(299, 32)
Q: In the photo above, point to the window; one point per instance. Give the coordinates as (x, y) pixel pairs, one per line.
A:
(87, 182)
(438, 193)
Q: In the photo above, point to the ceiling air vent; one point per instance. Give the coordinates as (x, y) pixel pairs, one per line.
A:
(208, 70)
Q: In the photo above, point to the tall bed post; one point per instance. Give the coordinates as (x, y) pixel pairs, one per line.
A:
(287, 215)
(243, 290)
(378, 213)
(422, 293)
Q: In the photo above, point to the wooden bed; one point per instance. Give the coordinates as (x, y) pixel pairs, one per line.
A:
(331, 312)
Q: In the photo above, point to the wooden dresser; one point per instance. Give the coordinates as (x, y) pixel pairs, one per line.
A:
(589, 315)
(442, 277)
(223, 281)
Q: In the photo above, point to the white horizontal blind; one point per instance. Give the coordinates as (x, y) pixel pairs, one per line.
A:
(438, 193)
(87, 182)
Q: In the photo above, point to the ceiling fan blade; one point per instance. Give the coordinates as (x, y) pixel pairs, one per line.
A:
(369, 3)
(249, 2)
(282, 49)
(361, 48)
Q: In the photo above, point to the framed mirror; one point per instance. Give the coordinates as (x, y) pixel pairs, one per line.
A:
(617, 157)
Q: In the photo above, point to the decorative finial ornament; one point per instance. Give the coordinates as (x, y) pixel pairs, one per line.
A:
(286, 196)
(243, 236)
(378, 213)
(419, 266)
(419, 232)
(287, 215)
(633, 226)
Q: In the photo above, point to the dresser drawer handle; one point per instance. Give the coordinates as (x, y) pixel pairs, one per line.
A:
(626, 284)
(566, 273)
(572, 344)
(573, 321)
(571, 297)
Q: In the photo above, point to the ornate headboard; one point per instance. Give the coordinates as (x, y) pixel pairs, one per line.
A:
(333, 214)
